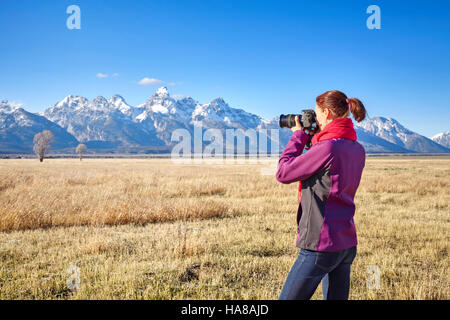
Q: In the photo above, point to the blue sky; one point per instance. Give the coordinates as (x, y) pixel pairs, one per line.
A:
(267, 57)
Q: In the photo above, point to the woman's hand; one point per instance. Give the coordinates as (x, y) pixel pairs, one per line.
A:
(298, 126)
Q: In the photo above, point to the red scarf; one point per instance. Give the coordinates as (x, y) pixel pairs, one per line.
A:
(338, 128)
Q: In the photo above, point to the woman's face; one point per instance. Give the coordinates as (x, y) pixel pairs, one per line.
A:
(322, 117)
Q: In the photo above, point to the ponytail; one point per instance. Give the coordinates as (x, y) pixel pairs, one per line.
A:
(340, 105)
(357, 109)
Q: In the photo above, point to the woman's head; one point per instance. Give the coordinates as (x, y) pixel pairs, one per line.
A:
(335, 104)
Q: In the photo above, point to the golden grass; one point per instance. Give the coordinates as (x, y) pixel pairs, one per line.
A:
(152, 229)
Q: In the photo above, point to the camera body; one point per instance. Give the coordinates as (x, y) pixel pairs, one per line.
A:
(307, 120)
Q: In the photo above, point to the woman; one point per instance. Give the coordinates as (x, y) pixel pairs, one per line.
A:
(329, 174)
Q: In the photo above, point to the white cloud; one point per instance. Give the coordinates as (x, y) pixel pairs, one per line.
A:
(115, 74)
(149, 81)
(102, 75)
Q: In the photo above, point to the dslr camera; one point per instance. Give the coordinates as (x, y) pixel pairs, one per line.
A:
(307, 120)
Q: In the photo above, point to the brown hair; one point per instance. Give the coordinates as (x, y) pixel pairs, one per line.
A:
(339, 105)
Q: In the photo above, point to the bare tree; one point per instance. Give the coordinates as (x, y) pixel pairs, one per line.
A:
(41, 143)
(80, 149)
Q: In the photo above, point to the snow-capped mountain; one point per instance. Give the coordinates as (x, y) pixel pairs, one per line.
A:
(391, 130)
(119, 104)
(18, 127)
(161, 114)
(114, 124)
(373, 143)
(100, 122)
(218, 114)
(442, 138)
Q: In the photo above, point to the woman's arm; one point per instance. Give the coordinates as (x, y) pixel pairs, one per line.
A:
(294, 166)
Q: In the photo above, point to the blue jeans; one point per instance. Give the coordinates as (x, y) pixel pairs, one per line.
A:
(333, 268)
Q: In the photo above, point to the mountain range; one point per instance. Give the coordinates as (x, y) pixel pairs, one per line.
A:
(18, 127)
(442, 138)
(112, 125)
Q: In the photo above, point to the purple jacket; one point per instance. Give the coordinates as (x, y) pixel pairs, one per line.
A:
(330, 172)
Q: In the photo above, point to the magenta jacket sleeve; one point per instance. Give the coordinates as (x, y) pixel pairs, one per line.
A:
(294, 166)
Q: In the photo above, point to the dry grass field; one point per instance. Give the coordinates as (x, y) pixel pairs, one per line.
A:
(152, 229)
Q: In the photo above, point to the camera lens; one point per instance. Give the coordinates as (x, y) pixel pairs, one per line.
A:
(288, 120)
(282, 121)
